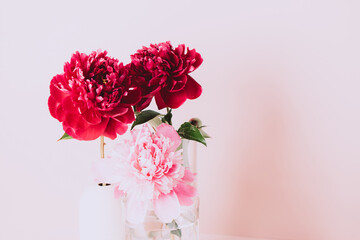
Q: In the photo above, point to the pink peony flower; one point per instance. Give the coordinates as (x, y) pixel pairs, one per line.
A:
(148, 167)
(163, 72)
(93, 97)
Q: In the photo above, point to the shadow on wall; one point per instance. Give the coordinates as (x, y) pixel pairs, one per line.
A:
(266, 197)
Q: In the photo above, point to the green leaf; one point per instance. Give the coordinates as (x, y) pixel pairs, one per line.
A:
(176, 232)
(65, 136)
(172, 224)
(144, 117)
(191, 132)
(197, 123)
(152, 234)
(167, 117)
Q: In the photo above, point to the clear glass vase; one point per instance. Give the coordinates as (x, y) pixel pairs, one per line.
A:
(185, 227)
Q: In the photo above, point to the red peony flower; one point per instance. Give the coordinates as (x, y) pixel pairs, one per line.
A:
(163, 72)
(93, 97)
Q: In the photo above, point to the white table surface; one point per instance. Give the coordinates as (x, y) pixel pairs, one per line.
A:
(221, 237)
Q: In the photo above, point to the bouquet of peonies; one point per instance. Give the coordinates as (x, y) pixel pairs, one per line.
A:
(98, 96)
(148, 167)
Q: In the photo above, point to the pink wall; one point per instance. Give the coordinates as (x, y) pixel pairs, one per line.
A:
(281, 99)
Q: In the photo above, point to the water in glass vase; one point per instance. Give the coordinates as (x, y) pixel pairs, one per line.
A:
(185, 227)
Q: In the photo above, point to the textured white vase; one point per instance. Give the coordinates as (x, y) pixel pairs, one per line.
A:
(100, 214)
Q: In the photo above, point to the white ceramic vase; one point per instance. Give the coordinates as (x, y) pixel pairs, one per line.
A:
(100, 214)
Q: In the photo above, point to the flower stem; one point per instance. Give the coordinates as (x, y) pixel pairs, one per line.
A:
(102, 144)
(102, 155)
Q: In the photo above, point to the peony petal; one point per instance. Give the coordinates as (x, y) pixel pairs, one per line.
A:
(121, 129)
(169, 131)
(68, 105)
(185, 193)
(181, 70)
(153, 83)
(189, 177)
(114, 127)
(196, 62)
(120, 110)
(173, 99)
(60, 113)
(92, 132)
(174, 59)
(58, 94)
(70, 131)
(178, 83)
(167, 207)
(133, 96)
(53, 105)
(128, 117)
(192, 88)
(135, 210)
(74, 121)
(184, 200)
(159, 101)
(185, 190)
(110, 130)
(118, 193)
(180, 49)
(144, 103)
(190, 55)
(91, 117)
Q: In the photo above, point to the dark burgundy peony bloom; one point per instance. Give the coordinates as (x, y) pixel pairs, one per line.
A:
(93, 97)
(163, 72)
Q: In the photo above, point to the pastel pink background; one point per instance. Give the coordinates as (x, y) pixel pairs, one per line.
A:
(281, 101)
